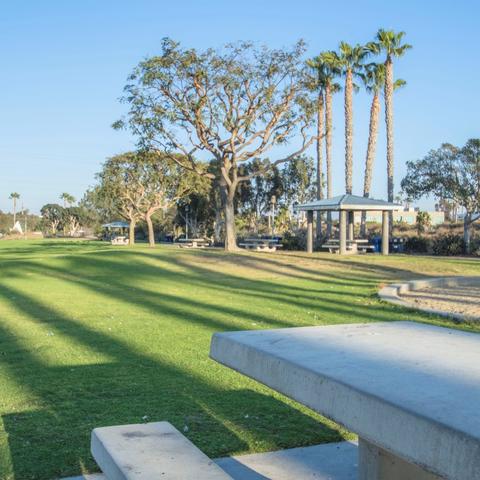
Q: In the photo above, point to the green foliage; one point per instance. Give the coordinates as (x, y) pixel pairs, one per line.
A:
(52, 218)
(68, 200)
(417, 245)
(294, 240)
(298, 178)
(423, 222)
(449, 173)
(6, 221)
(390, 42)
(448, 244)
(134, 184)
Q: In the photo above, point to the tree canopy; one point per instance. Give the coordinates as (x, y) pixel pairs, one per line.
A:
(448, 173)
(234, 104)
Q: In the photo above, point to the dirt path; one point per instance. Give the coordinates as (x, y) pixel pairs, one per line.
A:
(464, 299)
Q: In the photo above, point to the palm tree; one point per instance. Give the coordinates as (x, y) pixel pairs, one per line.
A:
(318, 83)
(14, 196)
(350, 60)
(374, 81)
(331, 70)
(391, 43)
(67, 199)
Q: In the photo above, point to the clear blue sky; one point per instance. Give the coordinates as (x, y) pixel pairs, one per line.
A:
(64, 64)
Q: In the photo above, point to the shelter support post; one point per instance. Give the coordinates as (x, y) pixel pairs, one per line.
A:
(385, 232)
(310, 231)
(343, 232)
(350, 225)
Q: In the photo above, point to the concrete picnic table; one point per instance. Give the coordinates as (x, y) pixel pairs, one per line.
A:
(270, 244)
(193, 242)
(410, 391)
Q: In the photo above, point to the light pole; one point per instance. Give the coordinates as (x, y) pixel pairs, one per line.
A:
(24, 221)
(187, 208)
(273, 201)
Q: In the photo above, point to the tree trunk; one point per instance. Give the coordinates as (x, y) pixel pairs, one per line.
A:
(371, 150)
(320, 129)
(328, 150)
(466, 231)
(131, 232)
(151, 233)
(389, 125)
(228, 194)
(348, 131)
(14, 212)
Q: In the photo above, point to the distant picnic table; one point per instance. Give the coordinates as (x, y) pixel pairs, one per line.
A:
(119, 240)
(361, 245)
(261, 244)
(193, 242)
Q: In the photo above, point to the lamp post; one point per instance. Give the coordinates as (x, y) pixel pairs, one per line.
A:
(273, 201)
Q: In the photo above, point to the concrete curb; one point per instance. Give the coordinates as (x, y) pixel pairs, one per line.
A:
(391, 294)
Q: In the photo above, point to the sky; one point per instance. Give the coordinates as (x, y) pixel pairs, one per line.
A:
(64, 65)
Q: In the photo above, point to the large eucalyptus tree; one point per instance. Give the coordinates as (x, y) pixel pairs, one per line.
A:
(234, 104)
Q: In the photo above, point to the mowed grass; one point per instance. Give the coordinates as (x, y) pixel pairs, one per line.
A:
(94, 335)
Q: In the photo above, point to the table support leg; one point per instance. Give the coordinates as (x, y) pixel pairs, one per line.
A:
(374, 463)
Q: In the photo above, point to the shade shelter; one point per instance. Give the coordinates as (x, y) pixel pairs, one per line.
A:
(117, 226)
(346, 205)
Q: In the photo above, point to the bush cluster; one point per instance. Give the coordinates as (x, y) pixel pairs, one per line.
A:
(449, 244)
(417, 245)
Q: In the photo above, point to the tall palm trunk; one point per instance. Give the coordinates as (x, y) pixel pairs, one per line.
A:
(320, 130)
(389, 125)
(14, 211)
(371, 150)
(328, 149)
(348, 130)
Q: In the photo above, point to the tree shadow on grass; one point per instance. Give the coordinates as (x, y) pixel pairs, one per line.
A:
(51, 437)
(333, 305)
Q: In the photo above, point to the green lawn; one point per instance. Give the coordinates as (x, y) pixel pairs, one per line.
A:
(94, 335)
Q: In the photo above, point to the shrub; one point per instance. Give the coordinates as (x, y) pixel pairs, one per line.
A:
(449, 244)
(417, 245)
(294, 241)
(475, 247)
(424, 222)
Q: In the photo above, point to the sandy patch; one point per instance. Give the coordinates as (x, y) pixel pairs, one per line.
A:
(463, 299)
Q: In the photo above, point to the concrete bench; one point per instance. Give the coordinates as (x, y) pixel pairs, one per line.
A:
(261, 246)
(366, 248)
(335, 247)
(193, 243)
(119, 241)
(411, 391)
(151, 451)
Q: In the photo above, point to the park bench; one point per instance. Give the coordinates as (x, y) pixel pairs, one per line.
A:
(193, 242)
(411, 391)
(261, 244)
(150, 451)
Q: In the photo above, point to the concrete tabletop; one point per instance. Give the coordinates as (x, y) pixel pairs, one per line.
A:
(409, 388)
